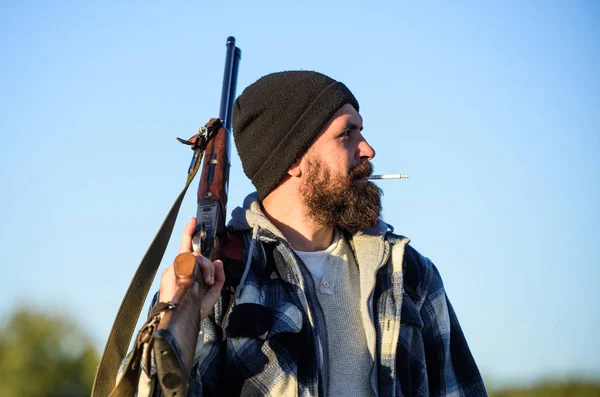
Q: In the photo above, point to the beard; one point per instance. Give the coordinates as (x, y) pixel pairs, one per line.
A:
(337, 200)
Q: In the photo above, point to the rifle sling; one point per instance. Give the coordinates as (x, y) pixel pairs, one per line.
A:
(131, 306)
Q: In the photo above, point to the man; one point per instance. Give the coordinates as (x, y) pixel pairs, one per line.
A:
(329, 302)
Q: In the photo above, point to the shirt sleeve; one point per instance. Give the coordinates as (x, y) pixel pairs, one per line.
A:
(451, 369)
(208, 364)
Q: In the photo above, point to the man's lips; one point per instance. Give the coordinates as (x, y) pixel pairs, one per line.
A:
(360, 180)
(361, 171)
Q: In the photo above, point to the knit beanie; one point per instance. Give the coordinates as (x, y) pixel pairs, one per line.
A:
(276, 119)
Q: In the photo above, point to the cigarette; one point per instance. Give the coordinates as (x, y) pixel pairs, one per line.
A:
(388, 176)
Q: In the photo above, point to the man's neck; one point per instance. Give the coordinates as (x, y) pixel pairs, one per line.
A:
(292, 220)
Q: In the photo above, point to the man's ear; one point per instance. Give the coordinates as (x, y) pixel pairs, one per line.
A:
(295, 170)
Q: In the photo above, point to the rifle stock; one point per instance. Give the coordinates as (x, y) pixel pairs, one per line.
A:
(175, 340)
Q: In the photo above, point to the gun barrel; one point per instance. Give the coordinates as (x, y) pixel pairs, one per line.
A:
(237, 56)
(232, 58)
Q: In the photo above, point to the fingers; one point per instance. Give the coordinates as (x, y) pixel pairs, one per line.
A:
(186, 239)
(214, 291)
(212, 274)
(168, 285)
(208, 269)
(219, 273)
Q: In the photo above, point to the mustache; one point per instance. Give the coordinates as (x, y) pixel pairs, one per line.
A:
(362, 170)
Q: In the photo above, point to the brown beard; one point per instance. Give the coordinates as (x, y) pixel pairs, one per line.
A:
(337, 201)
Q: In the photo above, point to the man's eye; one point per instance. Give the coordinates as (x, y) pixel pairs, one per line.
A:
(345, 133)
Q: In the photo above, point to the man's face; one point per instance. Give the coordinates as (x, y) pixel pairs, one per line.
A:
(334, 186)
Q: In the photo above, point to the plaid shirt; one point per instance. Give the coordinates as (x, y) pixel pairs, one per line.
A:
(268, 344)
(264, 340)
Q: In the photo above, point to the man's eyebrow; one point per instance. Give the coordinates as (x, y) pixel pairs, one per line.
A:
(353, 126)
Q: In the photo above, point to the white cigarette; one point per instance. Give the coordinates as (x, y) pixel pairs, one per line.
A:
(388, 176)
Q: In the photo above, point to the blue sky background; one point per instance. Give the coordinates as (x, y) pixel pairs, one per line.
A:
(492, 108)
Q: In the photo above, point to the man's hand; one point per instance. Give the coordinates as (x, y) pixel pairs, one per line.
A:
(212, 274)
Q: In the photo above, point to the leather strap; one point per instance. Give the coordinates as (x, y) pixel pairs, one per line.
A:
(131, 306)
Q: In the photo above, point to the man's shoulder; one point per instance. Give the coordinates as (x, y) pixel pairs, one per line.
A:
(420, 276)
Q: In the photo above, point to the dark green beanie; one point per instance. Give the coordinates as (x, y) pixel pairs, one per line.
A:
(276, 119)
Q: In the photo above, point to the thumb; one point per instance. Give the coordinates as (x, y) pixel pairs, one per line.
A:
(186, 239)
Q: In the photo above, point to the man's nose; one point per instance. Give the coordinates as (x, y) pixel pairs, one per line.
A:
(365, 150)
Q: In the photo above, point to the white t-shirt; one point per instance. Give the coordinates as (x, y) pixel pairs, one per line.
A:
(317, 261)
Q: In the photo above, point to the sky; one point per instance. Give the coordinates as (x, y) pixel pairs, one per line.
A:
(492, 108)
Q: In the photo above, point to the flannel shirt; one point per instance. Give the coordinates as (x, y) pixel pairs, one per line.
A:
(264, 341)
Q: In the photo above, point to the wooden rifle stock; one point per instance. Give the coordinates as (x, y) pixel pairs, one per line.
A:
(174, 342)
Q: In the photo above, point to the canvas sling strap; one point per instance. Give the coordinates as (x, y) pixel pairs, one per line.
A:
(131, 306)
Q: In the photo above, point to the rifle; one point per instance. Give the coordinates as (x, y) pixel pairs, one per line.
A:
(175, 340)
(172, 328)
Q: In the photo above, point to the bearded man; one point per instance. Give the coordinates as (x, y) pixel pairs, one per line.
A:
(328, 300)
